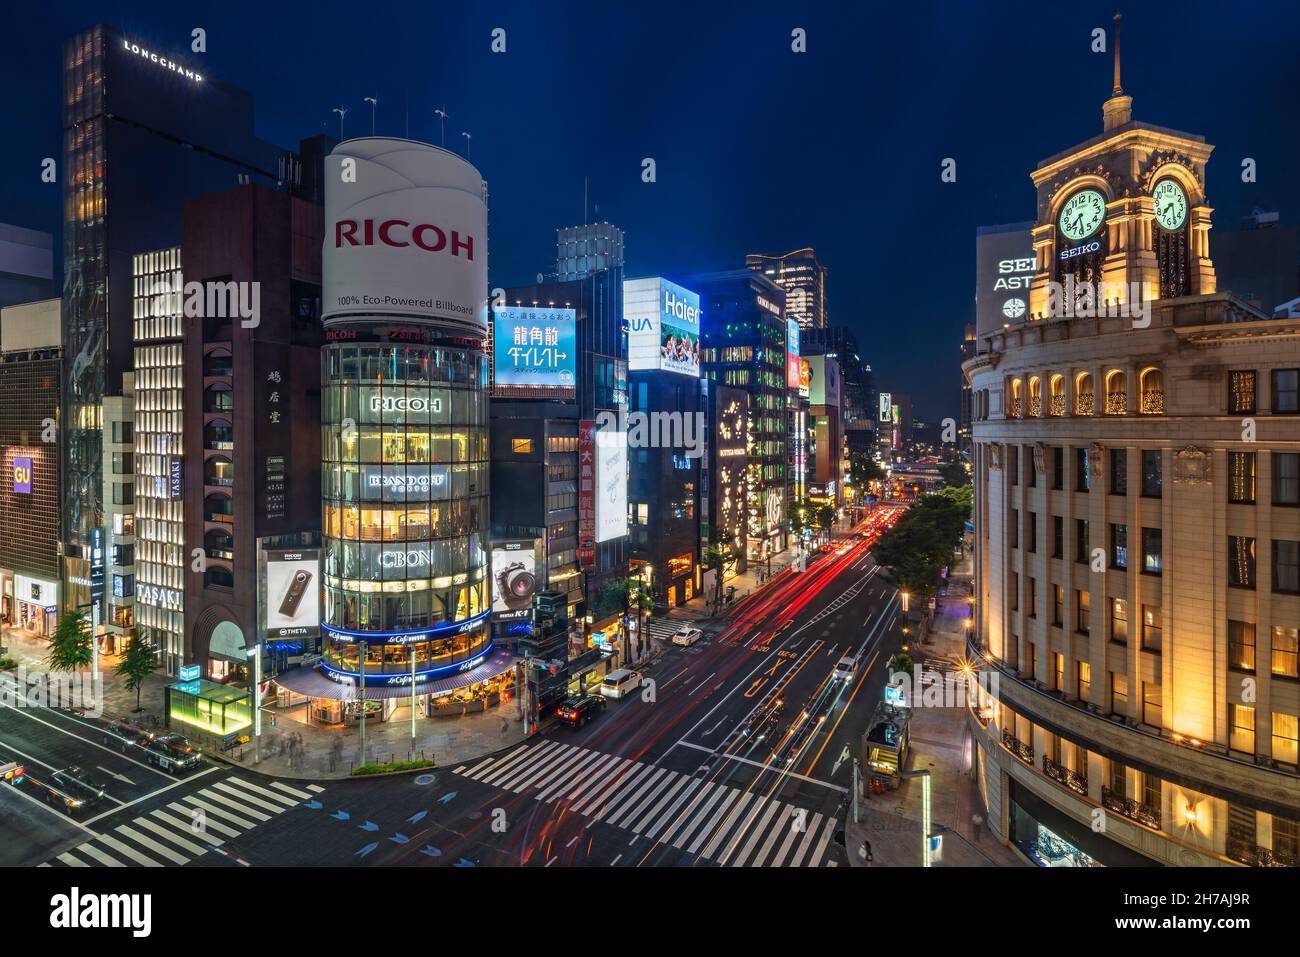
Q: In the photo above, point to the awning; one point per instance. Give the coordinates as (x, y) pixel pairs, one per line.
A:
(312, 683)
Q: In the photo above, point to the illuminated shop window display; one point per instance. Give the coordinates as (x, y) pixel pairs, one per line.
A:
(405, 477)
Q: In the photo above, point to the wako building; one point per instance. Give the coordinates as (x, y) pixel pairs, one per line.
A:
(405, 455)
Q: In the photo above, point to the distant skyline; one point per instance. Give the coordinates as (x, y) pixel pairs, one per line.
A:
(757, 148)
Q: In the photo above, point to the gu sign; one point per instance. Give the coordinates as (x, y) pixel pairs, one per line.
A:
(23, 475)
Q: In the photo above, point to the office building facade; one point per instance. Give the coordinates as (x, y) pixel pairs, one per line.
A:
(802, 277)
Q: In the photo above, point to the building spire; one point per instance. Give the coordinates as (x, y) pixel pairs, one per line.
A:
(1118, 90)
(1117, 110)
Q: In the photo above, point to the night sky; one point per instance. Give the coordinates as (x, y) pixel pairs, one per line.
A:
(757, 148)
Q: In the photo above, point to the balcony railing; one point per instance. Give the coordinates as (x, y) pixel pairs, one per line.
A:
(1013, 410)
(1024, 752)
(1083, 404)
(220, 517)
(1058, 405)
(1062, 775)
(1133, 810)
(1116, 403)
(1248, 852)
(1153, 402)
(1035, 406)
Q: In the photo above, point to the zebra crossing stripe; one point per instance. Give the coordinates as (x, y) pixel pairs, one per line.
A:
(631, 796)
(728, 795)
(243, 795)
(608, 786)
(561, 771)
(628, 785)
(610, 764)
(258, 789)
(315, 788)
(67, 858)
(498, 762)
(822, 843)
(727, 824)
(222, 812)
(469, 772)
(785, 845)
(169, 835)
(678, 782)
(710, 791)
(574, 773)
(772, 835)
(207, 818)
(506, 768)
(91, 851)
(130, 852)
(536, 769)
(630, 815)
(692, 785)
(758, 831)
(212, 795)
(808, 838)
(150, 844)
(304, 795)
(183, 828)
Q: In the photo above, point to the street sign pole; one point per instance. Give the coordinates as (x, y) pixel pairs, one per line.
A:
(412, 702)
(362, 759)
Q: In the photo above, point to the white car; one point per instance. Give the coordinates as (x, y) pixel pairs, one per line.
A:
(687, 636)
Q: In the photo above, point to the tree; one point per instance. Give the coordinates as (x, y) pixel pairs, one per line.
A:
(715, 557)
(628, 592)
(915, 550)
(138, 662)
(901, 662)
(71, 647)
(954, 474)
(864, 470)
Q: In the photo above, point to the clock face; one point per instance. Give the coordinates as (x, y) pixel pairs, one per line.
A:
(1082, 215)
(1013, 308)
(1171, 204)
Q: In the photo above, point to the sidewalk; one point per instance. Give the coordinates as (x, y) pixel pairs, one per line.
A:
(939, 741)
(326, 752)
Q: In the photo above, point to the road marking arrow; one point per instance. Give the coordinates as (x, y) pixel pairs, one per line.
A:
(417, 816)
(399, 838)
(366, 850)
(430, 851)
(113, 774)
(844, 756)
(447, 797)
(368, 826)
(341, 816)
(314, 805)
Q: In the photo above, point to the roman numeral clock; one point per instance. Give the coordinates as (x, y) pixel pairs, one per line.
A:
(1170, 207)
(1082, 245)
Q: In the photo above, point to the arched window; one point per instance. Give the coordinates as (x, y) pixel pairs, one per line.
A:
(219, 508)
(218, 470)
(1035, 397)
(1151, 385)
(217, 363)
(1083, 399)
(1116, 393)
(219, 544)
(1057, 386)
(218, 398)
(1014, 407)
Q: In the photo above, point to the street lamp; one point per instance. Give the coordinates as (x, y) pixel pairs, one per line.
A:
(442, 125)
(469, 141)
(342, 111)
(374, 102)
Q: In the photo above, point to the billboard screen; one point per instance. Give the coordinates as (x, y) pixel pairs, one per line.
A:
(825, 385)
(663, 323)
(805, 378)
(587, 491)
(293, 593)
(886, 407)
(405, 234)
(1004, 263)
(514, 579)
(792, 366)
(534, 347)
(611, 484)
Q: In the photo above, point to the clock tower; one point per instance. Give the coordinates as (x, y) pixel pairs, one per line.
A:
(1123, 214)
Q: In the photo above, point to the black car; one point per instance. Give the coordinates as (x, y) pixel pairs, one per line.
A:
(68, 789)
(577, 710)
(120, 735)
(171, 752)
(763, 722)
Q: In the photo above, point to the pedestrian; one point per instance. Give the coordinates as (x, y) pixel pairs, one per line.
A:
(978, 822)
(505, 726)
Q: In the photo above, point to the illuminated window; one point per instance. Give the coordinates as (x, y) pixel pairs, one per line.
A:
(1241, 737)
(1286, 651)
(521, 446)
(1241, 391)
(1241, 645)
(1286, 732)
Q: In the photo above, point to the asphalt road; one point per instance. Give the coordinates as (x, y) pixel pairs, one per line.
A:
(736, 751)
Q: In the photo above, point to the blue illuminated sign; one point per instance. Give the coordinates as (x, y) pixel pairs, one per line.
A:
(189, 672)
(398, 679)
(534, 346)
(403, 637)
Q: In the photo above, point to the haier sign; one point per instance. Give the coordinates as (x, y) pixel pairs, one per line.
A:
(663, 325)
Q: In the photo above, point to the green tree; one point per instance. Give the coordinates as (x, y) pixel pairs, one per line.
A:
(954, 474)
(138, 662)
(71, 647)
(863, 470)
(901, 662)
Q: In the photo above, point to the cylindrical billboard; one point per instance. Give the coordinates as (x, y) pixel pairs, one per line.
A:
(405, 235)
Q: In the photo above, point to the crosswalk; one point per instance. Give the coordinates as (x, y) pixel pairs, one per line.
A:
(188, 827)
(664, 628)
(726, 825)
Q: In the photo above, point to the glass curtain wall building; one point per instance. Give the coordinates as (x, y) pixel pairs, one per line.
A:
(406, 506)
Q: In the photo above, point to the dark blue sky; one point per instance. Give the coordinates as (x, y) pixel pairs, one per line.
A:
(758, 149)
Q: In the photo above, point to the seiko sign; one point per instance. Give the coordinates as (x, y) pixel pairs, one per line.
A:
(1083, 250)
(407, 235)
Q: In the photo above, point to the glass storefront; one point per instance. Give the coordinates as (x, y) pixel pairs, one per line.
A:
(405, 507)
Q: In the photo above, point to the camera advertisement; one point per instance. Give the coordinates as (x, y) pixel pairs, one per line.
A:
(514, 579)
(293, 593)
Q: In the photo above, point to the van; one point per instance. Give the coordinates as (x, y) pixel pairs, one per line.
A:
(619, 684)
(846, 668)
